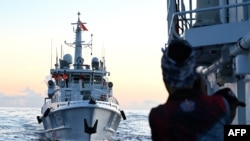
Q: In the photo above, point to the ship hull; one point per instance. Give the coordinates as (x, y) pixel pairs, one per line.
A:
(82, 121)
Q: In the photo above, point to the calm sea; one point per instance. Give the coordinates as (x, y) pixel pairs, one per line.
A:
(20, 124)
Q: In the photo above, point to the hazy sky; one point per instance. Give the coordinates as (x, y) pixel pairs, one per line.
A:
(129, 33)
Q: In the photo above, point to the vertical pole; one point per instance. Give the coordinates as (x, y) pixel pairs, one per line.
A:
(51, 53)
(241, 93)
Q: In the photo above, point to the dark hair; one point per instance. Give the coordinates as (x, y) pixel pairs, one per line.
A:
(179, 50)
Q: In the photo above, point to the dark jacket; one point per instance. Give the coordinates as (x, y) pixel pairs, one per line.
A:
(187, 116)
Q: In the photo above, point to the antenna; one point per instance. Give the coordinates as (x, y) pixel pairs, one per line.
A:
(91, 43)
(61, 52)
(51, 53)
(103, 55)
(103, 48)
(56, 60)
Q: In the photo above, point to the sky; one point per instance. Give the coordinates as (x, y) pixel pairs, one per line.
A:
(129, 33)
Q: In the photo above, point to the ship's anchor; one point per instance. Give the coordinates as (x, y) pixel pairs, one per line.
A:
(90, 130)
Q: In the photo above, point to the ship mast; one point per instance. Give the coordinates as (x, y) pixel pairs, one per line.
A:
(79, 44)
(78, 61)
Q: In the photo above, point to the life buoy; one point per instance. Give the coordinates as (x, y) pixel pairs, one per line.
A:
(110, 84)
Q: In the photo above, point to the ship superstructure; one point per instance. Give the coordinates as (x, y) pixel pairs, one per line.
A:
(219, 31)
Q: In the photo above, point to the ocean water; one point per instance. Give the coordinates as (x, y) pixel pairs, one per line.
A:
(20, 124)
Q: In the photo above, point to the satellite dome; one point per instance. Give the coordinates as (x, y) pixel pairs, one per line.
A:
(95, 59)
(68, 58)
(95, 63)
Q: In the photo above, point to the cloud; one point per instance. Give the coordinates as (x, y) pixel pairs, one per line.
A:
(27, 98)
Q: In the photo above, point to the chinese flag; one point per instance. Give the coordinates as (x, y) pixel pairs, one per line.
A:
(83, 27)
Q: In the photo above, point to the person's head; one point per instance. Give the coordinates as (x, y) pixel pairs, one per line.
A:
(232, 100)
(178, 65)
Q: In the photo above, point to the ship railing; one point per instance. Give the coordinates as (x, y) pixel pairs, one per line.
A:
(47, 100)
(101, 94)
(113, 100)
(178, 22)
(76, 92)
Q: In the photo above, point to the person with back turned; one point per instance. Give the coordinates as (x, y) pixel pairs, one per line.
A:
(189, 114)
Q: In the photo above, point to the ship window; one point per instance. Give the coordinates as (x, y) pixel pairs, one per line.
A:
(67, 96)
(85, 92)
(86, 95)
(86, 78)
(97, 79)
(83, 77)
(76, 79)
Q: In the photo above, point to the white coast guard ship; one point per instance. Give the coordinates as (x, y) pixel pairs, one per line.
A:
(80, 105)
(219, 30)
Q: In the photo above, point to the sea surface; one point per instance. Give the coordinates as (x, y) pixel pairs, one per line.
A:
(20, 124)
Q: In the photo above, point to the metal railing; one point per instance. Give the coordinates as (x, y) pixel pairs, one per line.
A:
(183, 20)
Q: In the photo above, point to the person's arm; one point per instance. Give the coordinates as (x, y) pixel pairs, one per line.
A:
(231, 101)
